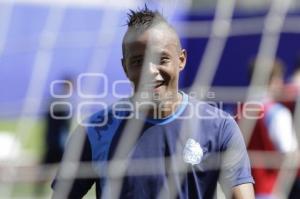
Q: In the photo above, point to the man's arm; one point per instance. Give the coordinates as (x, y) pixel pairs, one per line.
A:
(236, 179)
(79, 186)
(243, 191)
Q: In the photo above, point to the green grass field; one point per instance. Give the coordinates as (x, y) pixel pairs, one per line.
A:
(31, 135)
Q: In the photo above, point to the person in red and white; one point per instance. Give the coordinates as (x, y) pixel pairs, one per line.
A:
(273, 134)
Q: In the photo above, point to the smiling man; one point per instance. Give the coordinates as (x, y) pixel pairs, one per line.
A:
(184, 147)
(152, 60)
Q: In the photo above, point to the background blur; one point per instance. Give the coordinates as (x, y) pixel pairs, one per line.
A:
(45, 41)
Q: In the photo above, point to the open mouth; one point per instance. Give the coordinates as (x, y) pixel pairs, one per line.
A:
(154, 85)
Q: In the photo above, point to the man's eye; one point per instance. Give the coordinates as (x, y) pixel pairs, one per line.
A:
(137, 62)
(164, 60)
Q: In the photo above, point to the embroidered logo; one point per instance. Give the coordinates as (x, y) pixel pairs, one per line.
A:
(192, 152)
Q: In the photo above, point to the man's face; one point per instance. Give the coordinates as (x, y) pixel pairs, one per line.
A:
(152, 62)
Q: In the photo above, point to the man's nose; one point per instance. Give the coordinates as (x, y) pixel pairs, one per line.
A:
(153, 68)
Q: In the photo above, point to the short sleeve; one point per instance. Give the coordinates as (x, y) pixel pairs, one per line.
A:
(235, 164)
(280, 124)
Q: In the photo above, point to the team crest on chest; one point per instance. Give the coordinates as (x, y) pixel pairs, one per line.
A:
(192, 152)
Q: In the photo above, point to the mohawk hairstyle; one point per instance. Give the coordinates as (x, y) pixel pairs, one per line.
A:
(144, 18)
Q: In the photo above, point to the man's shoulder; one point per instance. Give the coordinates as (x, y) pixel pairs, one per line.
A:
(208, 109)
(278, 107)
(116, 110)
(105, 122)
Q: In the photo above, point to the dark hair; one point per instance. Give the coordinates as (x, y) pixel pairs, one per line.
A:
(278, 68)
(297, 63)
(142, 19)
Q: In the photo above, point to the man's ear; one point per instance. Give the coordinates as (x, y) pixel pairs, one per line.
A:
(182, 59)
(124, 66)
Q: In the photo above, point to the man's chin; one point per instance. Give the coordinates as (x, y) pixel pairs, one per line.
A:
(149, 98)
(160, 95)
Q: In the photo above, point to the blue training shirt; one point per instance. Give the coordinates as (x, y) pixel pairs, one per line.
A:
(185, 154)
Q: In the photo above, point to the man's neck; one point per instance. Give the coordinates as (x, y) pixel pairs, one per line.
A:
(166, 108)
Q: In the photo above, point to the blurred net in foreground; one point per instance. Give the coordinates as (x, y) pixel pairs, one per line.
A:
(17, 173)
